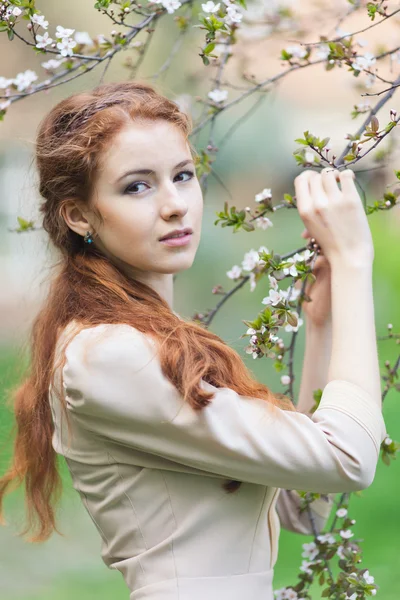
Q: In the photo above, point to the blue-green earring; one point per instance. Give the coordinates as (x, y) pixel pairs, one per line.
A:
(88, 237)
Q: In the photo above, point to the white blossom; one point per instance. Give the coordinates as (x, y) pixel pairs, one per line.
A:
(309, 156)
(346, 533)
(51, 64)
(341, 512)
(310, 550)
(235, 272)
(25, 79)
(273, 282)
(363, 106)
(274, 297)
(326, 538)
(370, 80)
(170, 5)
(43, 40)
(387, 441)
(251, 331)
(65, 46)
(368, 578)
(264, 223)
(5, 82)
(305, 256)
(290, 328)
(294, 294)
(82, 37)
(280, 594)
(264, 195)
(62, 33)
(210, 7)
(233, 15)
(291, 270)
(296, 51)
(218, 95)
(250, 260)
(253, 282)
(291, 594)
(5, 104)
(305, 567)
(285, 380)
(364, 62)
(339, 552)
(323, 51)
(16, 11)
(40, 20)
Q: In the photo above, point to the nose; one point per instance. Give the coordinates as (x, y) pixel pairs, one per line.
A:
(173, 201)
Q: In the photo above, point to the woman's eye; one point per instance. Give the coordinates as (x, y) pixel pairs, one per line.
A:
(138, 183)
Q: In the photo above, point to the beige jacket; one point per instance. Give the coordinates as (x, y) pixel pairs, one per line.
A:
(149, 469)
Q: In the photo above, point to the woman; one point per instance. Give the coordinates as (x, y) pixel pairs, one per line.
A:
(184, 462)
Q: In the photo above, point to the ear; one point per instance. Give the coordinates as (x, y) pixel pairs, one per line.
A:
(75, 216)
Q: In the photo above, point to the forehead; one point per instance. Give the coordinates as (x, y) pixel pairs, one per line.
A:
(148, 144)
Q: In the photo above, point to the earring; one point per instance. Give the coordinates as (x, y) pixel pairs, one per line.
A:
(88, 237)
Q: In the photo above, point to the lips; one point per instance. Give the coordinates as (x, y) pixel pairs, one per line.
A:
(177, 233)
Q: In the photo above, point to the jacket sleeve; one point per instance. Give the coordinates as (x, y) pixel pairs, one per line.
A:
(292, 519)
(115, 388)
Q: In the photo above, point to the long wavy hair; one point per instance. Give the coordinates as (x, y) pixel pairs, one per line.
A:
(88, 288)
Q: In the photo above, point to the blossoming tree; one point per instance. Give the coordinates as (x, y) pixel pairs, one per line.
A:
(70, 54)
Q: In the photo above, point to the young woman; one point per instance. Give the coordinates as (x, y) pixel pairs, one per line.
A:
(186, 464)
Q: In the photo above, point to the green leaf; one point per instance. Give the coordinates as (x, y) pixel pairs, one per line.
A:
(374, 124)
(209, 48)
(248, 226)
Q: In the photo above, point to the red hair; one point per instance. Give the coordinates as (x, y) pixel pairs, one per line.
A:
(86, 287)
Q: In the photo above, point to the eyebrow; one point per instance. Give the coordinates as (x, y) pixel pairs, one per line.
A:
(150, 171)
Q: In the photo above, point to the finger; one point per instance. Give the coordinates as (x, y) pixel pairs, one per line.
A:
(318, 193)
(347, 180)
(330, 178)
(305, 234)
(303, 195)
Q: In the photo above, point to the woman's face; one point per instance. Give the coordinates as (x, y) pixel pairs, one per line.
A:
(140, 208)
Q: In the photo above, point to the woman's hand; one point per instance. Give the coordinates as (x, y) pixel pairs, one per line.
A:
(318, 311)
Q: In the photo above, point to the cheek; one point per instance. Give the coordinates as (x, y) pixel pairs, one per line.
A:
(124, 233)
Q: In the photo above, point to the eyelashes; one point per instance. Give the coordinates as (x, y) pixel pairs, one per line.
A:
(136, 183)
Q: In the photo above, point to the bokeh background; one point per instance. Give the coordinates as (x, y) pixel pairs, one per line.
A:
(258, 154)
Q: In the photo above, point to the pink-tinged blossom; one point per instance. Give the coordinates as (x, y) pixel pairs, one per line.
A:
(310, 550)
(232, 15)
(210, 7)
(235, 272)
(346, 533)
(40, 20)
(296, 51)
(264, 223)
(66, 46)
(364, 62)
(264, 195)
(25, 79)
(43, 40)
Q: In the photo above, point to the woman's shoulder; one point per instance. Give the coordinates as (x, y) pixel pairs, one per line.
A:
(104, 339)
